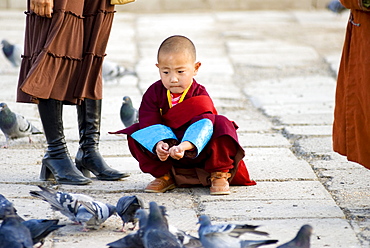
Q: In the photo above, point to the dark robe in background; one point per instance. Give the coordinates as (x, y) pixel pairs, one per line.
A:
(351, 128)
(63, 55)
(223, 152)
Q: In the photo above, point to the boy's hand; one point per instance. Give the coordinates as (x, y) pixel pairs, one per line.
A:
(178, 152)
(162, 150)
(42, 8)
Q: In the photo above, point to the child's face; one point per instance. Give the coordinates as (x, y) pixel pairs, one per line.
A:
(177, 71)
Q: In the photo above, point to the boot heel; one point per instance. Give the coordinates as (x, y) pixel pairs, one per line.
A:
(46, 173)
(84, 171)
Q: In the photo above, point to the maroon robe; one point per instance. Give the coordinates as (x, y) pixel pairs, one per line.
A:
(222, 152)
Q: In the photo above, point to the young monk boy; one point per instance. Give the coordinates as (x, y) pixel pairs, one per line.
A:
(180, 139)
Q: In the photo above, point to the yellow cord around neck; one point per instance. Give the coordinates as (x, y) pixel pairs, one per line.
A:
(169, 97)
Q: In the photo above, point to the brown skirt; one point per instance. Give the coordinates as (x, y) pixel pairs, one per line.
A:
(63, 55)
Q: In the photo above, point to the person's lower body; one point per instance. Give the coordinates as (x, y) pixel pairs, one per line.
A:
(88, 158)
(217, 157)
(149, 163)
(57, 162)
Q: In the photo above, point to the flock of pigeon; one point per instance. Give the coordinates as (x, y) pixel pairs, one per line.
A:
(152, 231)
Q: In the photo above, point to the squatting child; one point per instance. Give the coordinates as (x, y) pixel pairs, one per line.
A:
(180, 139)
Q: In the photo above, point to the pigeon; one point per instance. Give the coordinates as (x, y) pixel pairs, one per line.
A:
(233, 230)
(217, 236)
(66, 203)
(12, 52)
(134, 239)
(156, 233)
(79, 208)
(129, 114)
(12, 233)
(301, 240)
(6, 203)
(335, 6)
(126, 208)
(183, 237)
(41, 228)
(112, 71)
(15, 126)
(94, 213)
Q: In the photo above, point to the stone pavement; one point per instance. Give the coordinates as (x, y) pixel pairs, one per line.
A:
(273, 72)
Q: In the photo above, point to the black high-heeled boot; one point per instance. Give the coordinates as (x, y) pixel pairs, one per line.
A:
(57, 162)
(88, 157)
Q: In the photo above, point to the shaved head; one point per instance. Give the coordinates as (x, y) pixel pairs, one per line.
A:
(177, 44)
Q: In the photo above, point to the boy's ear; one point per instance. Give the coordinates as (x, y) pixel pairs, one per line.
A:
(197, 65)
(157, 65)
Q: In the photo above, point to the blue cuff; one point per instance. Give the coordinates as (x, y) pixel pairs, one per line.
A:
(199, 133)
(150, 136)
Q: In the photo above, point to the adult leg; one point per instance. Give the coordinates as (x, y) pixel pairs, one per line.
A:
(57, 161)
(88, 157)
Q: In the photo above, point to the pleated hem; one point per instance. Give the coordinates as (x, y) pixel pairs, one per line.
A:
(63, 56)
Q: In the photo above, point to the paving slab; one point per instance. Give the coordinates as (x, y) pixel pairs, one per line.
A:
(266, 191)
(279, 170)
(252, 125)
(271, 209)
(334, 164)
(349, 180)
(321, 130)
(279, 154)
(263, 140)
(324, 107)
(309, 119)
(271, 53)
(319, 145)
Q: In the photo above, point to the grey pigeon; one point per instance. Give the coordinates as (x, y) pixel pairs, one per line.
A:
(301, 240)
(134, 239)
(6, 203)
(129, 114)
(12, 52)
(126, 208)
(41, 228)
(217, 236)
(335, 6)
(164, 214)
(15, 126)
(234, 230)
(66, 203)
(79, 208)
(183, 237)
(12, 233)
(156, 233)
(94, 213)
(112, 71)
